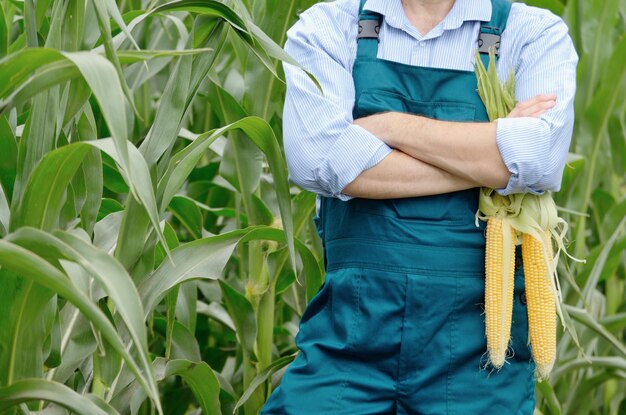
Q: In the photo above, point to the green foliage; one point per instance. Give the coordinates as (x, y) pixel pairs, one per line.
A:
(154, 258)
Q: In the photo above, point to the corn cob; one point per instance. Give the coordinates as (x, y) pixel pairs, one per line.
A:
(541, 302)
(499, 273)
(535, 218)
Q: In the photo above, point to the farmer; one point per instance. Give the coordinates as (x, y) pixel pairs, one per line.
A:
(396, 147)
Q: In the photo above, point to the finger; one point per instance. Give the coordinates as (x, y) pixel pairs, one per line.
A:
(529, 111)
(537, 113)
(543, 105)
(537, 99)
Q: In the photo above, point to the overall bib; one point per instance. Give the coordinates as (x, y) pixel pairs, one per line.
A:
(398, 325)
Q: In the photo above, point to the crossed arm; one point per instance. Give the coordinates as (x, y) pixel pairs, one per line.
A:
(392, 155)
(447, 156)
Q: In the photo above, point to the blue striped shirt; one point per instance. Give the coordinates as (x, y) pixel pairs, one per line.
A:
(325, 151)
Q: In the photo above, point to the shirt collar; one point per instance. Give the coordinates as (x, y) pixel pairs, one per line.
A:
(462, 11)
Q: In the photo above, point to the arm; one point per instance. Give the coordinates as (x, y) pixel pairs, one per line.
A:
(465, 150)
(400, 175)
(525, 153)
(324, 150)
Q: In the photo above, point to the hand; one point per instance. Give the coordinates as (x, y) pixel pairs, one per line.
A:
(534, 106)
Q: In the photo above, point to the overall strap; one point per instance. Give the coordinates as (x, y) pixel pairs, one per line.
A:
(369, 28)
(491, 31)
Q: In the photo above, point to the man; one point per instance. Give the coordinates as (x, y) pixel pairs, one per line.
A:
(396, 147)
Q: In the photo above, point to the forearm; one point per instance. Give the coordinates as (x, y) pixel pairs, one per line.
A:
(399, 175)
(466, 150)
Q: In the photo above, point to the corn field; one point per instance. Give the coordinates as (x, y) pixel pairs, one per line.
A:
(154, 258)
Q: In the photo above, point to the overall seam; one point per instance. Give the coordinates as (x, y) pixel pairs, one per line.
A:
(399, 377)
(400, 270)
(356, 292)
(453, 317)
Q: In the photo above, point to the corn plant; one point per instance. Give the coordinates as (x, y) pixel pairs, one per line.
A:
(129, 177)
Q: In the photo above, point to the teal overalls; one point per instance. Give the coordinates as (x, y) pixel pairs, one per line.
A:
(398, 325)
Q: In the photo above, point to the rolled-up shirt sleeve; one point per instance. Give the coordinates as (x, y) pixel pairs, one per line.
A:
(325, 151)
(535, 149)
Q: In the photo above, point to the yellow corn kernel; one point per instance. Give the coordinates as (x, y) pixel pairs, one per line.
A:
(499, 283)
(541, 303)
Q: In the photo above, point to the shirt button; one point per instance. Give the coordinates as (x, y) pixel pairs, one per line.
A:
(422, 43)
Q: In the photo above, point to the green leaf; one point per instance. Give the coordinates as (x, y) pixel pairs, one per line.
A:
(134, 56)
(209, 8)
(201, 259)
(275, 51)
(113, 180)
(179, 92)
(172, 107)
(109, 206)
(45, 192)
(260, 44)
(240, 309)
(40, 389)
(4, 34)
(101, 76)
(41, 133)
(91, 176)
(549, 395)
(186, 312)
(599, 263)
(8, 157)
(184, 344)
(199, 376)
(617, 137)
(139, 179)
(555, 6)
(54, 354)
(596, 119)
(583, 317)
(573, 168)
(5, 214)
(257, 130)
(104, 268)
(27, 264)
(26, 311)
(78, 344)
(188, 213)
(611, 362)
(262, 377)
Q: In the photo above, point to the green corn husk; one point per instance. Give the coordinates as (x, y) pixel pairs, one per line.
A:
(525, 212)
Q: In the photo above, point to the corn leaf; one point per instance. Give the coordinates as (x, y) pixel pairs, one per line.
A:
(243, 316)
(40, 389)
(45, 192)
(27, 264)
(8, 157)
(262, 135)
(108, 272)
(262, 377)
(25, 305)
(199, 376)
